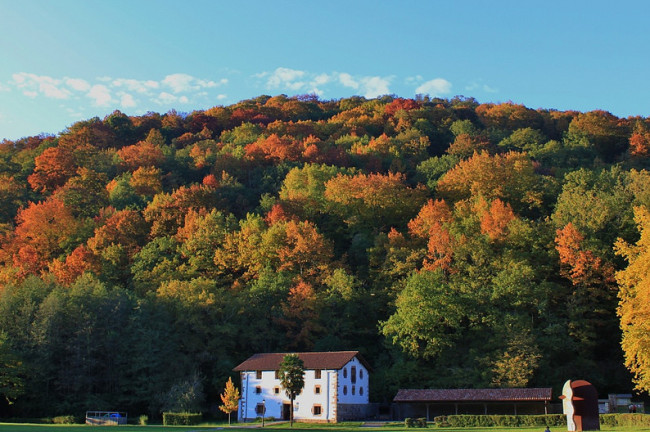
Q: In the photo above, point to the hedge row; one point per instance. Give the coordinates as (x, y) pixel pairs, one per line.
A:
(501, 420)
(181, 419)
(612, 420)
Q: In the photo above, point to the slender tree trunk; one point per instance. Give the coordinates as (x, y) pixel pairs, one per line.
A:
(229, 419)
(291, 414)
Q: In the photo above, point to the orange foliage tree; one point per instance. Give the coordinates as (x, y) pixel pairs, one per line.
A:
(53, 168)
(510, 177)
(42, 231)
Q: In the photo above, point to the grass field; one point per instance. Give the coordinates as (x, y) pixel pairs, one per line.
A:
(15, 427)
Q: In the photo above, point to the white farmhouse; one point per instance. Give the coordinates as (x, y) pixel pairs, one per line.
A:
(336, 387)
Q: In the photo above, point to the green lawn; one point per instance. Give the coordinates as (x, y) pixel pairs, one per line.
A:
(14, 427)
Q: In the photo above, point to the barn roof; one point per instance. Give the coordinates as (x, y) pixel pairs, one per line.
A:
(473, 395)
(312, 360)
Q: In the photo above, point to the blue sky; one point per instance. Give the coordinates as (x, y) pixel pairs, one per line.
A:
(67, 60)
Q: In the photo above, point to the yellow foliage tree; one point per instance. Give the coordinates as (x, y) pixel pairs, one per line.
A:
(230, 398)
(634, 301)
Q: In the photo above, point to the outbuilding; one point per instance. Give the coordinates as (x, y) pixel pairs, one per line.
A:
(429, 403)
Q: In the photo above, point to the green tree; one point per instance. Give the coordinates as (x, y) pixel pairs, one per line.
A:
(11, 370)
(230, 398)
(292, 377)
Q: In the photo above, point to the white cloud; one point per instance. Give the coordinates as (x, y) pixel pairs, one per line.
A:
(286, 78)
(488, 89)
(221, 97)
(183, 99)
(178, 82)
(375, 86)
(77, 84)
(476, 85)
(321, 79)
(347, 80)
(434, 87)
(100, 94)
(165, 98)
(182, 83)
(33, 84)
(135, 85)
(127, 101)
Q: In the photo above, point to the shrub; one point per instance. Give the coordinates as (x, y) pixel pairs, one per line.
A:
(418, 422)
(504, 420)
(181, 419)
(613, 420)
(143, 420)
(64, 419)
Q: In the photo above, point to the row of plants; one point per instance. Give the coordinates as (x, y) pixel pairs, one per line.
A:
(500, 420)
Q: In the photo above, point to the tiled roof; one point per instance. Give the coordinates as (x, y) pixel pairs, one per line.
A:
(471, 395)
(312, 360)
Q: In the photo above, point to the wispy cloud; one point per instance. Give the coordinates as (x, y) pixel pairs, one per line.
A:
(347, 80)
(100, 94)
(78, 84)
(32, 85)
(375, 86)
(134, 85)
(183, 83)
(118, 92)
(435, 87)
(294, 81)
(127, 101)
(477, 85)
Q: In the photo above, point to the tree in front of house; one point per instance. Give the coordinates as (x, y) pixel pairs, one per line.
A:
(292, 378)
(230, 398)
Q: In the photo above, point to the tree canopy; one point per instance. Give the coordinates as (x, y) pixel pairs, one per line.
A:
(476, 240)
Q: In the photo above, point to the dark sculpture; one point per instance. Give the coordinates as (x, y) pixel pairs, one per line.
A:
(580, 404)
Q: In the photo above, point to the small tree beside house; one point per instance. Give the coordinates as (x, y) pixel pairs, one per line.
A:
(292, 378)
(230, 399)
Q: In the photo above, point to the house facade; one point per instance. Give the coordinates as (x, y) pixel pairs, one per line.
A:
(336, 388)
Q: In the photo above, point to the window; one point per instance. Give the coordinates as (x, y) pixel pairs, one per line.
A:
(360, 373)
(345, 373)
(276, 390)
(317, 410)
(258, 374)
(345, 390)
(277, 374)
(317, 389)
(353, 390)
(259, 409)
(317, 374)
(353, 374)
(361, 391)
(258, 389)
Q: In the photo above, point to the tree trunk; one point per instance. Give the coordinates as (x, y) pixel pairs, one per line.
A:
(229, 419)
(291, 414)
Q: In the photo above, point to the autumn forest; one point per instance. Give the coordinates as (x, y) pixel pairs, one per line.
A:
(455, 244)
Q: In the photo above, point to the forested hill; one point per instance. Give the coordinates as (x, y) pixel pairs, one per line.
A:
(455, 244)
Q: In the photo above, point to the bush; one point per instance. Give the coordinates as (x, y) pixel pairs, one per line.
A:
(181, 419)
(613, 420)
(502, 420)
(64, 419)
(143, 420)
(419, 422)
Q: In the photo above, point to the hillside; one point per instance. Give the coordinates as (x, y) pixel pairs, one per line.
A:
(455, 244)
